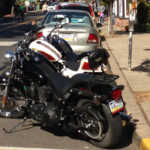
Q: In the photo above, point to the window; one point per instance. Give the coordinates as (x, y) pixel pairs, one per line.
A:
(72, 18)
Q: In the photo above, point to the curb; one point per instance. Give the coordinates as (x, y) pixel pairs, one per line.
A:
(141, 135)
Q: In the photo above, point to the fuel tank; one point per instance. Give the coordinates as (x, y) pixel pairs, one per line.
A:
(46, 49)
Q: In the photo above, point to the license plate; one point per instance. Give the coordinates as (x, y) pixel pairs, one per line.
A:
(67, 37)
(116, 106)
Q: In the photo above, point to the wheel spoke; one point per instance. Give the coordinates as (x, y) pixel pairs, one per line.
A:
(92, 127)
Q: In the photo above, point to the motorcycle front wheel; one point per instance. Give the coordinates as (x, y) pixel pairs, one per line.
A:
(101, 127)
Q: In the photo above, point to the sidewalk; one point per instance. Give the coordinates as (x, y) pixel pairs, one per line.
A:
(137, 81)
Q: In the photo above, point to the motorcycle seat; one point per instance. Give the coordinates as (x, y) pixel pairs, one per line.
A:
(63, 84)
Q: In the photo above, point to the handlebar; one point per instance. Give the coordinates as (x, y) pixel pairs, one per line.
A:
(57, 26)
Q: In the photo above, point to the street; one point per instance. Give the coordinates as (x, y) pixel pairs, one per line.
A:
(34, 136)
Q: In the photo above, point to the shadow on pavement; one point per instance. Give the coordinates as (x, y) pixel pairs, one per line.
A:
(15, 31)
(147, 49)
(127, 135)
(126, 140)
(58, 131)
(144, 67)
(127, 32)
(121, 32)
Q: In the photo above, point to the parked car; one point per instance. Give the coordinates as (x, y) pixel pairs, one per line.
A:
(80, 31)
(52, 6)
(76, 6)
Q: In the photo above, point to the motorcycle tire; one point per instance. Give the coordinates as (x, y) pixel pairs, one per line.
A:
(113, 132)
(110, 126)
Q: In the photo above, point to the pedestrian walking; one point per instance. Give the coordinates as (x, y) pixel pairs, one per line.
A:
(94, 7)
(101, 18)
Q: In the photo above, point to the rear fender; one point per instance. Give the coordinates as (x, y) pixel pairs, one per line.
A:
(121, 87)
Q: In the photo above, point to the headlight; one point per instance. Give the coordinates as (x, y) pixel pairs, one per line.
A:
(9, 55)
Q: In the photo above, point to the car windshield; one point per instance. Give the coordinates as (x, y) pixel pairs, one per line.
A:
(70, 18)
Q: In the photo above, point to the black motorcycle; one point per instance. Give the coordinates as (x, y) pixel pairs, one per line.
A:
(83, 104)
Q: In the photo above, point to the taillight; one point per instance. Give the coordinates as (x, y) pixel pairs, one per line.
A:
(116, 94)
(86, 66)
(39, 34)
(92, 39)
(58, 7)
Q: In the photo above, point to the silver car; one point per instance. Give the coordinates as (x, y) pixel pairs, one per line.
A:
(80, 31)
(52, 6)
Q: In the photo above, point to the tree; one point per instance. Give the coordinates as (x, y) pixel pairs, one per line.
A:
(142, 12)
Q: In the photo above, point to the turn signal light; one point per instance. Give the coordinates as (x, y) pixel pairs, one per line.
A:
(92, 39)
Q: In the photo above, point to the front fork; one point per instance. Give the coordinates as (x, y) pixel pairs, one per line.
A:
(5, 96)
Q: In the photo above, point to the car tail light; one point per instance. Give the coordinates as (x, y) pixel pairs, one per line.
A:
(116, 94)
(92, 39)
(86, 66)
(58, 7)
(39, 34)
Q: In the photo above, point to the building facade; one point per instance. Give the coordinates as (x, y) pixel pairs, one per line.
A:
(121, 13)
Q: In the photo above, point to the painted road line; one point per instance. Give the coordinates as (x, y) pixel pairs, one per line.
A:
(25, 148)
(145, 144)
(7, 43)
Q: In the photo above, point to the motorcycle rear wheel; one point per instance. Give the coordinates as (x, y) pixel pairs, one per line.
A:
(102, 129)
(112, 132)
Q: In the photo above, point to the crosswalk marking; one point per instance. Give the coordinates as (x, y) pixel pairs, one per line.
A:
(7, 43)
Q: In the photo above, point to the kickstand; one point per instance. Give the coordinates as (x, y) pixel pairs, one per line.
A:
(13, 128)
